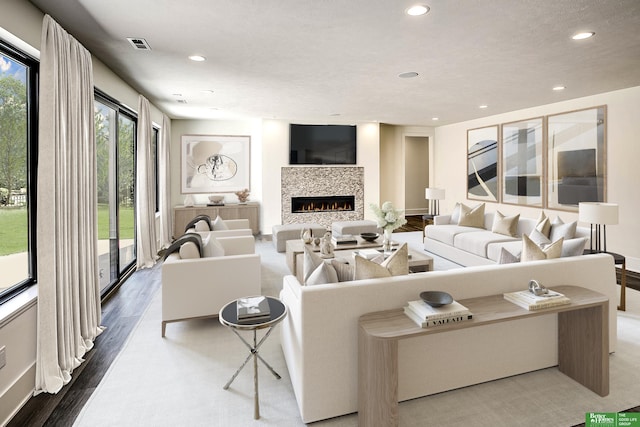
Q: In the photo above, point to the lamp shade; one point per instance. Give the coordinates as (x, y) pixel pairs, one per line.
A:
(434, 193)
(598, 213)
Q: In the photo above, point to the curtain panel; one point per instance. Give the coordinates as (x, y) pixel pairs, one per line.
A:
(146, 247)
(164, 181)
(69, 312)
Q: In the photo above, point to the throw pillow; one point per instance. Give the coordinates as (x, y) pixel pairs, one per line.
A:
(212, 247)
(472, 217)
(539, 238)
(398, 261)
(507, 225)
(218, 224)
(455, 214)
(507, 257)
(558, 230)
(202, 225)
(533, 252)
(365, 269)
(310, 263)
(189, 250)
(343, 270)
(544, 224)
(323, 274)
(573, 247)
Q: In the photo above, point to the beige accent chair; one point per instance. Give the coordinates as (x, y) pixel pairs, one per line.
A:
(200, 287)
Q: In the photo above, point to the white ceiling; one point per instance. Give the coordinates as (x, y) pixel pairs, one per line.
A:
(337, 61)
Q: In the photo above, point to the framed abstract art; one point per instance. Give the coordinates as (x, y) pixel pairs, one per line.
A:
(482, 164)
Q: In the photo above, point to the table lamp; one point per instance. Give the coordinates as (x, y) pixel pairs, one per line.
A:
(434, 195)
(600, 214)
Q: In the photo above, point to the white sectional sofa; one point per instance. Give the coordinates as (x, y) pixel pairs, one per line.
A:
(320, 334)
(470, 246)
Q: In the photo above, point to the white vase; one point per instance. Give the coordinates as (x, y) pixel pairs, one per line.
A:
(386, 241)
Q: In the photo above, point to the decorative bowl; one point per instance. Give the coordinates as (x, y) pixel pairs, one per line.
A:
(369, 237)
(216, 198)
(436, 298)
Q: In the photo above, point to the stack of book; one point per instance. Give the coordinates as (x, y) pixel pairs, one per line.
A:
(531, 301)
(344, 239)
(427, 316)
(253, 309)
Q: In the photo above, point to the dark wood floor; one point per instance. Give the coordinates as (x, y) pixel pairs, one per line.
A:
(120, 314)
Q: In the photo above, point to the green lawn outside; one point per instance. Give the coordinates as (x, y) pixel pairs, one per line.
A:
(13, 226)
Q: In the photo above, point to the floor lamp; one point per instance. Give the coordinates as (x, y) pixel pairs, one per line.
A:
(600, 214)
(434, 195)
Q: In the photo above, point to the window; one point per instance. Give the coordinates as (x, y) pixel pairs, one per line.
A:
(115, 148)
(18, 141)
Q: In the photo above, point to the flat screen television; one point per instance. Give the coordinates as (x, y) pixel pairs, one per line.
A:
(322, 144)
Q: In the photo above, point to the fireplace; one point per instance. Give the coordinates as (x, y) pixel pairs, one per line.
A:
(322, 204)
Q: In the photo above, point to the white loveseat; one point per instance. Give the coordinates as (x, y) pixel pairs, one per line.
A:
(471, 246)
(320, 334)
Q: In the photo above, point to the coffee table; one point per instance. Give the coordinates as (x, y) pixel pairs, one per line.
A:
(296, 247)
(229, 317)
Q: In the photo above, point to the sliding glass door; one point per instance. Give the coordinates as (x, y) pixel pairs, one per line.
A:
(115, 142)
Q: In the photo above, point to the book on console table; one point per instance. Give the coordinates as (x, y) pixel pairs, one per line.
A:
(344, 239)
(251, 309)
(426, 312)
(424, 323)
(530, 301)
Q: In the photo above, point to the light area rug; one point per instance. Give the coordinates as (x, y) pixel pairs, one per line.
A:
(178, 380)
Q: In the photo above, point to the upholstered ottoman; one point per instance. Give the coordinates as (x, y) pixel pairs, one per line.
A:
(284, 232)
(340, 228)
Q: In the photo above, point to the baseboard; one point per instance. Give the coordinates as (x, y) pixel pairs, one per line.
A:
(17, 395)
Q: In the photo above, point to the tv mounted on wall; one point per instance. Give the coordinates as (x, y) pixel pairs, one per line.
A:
(322, 144)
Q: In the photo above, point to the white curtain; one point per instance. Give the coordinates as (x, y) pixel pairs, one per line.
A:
(68, 286)
(146, 252)
(164, 183)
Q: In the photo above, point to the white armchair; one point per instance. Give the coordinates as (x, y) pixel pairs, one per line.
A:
(200, 287)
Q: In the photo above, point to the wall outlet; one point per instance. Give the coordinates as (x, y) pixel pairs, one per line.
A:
(3, 356)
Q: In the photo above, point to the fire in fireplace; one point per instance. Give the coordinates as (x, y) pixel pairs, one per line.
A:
(322, 204)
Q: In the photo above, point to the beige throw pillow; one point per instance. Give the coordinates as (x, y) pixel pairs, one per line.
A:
(398, 262)
(544, 224)
(507, 225)
(343, 270)
(533, 252)
(202, 225)
(472, 217)
(396, 265)
(507, 257)
(365, 269)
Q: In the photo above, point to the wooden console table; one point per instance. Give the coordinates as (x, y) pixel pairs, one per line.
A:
(182, 215)
(583, 346)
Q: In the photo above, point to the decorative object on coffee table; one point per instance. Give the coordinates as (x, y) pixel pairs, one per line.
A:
(326, 248)
(388, 218)
(369, 237)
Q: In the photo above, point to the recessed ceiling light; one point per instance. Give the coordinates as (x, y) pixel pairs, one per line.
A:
(197, 58)
(483, 106)
(408, 75)
(435, 119)
(417, 10)
(559, 88)
(582, 36)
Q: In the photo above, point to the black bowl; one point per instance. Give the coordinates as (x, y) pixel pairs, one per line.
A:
(436, 298)
(369, 237)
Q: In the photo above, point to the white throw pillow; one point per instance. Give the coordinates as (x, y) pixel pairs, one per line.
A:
(212, 247)
(507, 257)
(533, 252)
(560, 229)
(202, 225)
(506, 225)
(455, 215)
(310, 262)
(218, 224)
(573, 247)
(539, 238)
(544, 224)
(343, 270)
(323, 274)
(189, 250)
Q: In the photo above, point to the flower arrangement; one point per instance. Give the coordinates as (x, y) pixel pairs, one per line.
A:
(387, 217)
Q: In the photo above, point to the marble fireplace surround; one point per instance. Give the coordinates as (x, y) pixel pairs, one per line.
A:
(317, 181)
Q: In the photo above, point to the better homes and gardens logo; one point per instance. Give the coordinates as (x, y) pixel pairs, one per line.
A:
(612, 419)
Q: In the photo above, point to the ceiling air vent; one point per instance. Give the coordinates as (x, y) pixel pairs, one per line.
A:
(138, 43)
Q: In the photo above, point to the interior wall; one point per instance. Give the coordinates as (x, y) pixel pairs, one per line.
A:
(623, 174)
(416, 174)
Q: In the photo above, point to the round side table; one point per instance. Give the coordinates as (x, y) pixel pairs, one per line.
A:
(229, 317)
